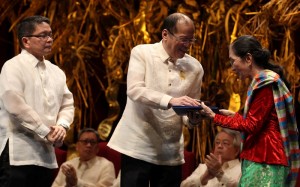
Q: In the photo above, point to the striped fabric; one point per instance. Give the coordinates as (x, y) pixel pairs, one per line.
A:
(286, 116)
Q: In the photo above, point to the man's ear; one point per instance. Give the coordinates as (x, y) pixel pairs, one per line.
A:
(26, 42)
(164, 33)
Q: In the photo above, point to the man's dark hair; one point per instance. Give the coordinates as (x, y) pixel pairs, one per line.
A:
(89, 130)
(27, 26)
(171, 21)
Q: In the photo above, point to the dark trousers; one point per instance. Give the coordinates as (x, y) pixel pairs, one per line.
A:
(23, 176)
(138, 173)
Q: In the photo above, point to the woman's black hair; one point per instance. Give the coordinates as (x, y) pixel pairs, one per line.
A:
(247, 44)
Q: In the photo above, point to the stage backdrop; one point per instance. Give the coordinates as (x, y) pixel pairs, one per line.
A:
(93, 39)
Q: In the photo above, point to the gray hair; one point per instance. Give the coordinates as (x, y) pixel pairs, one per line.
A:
(236, 135)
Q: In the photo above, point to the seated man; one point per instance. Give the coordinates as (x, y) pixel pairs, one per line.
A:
(222, 167)
(88, 169)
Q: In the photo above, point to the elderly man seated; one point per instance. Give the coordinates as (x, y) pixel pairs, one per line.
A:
(88, 170)
(222, 167)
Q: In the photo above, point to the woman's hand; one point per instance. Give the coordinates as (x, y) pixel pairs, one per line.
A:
(227, 112)
(206, 111)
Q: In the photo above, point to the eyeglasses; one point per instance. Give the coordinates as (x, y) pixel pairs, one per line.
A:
(85, 142)
(43, 36)
(223, 143)
(183, 40)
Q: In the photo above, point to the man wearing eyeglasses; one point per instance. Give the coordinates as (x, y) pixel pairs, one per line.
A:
(36, 109)
(222, 167)
(88, 169)
(149, 134)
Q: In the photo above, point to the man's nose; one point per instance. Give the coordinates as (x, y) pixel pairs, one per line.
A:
(187, 44)
(220, 145)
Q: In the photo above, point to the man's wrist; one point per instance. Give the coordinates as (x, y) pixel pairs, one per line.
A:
(47, 140)
(66, 127)
(72, 184)
(220, 174)
(203, 180)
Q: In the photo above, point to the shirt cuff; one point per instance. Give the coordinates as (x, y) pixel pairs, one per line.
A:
(42, 131)
(164, 103)
(64, 124)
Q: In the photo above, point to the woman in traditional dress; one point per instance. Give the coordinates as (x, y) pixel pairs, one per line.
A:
(270, 152)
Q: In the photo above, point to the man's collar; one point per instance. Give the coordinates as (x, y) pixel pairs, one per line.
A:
(32, 60)
(230, 163)
(88, 163)
(163, 55)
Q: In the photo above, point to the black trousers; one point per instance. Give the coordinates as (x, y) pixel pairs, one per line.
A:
(138, 173)
(23, 176)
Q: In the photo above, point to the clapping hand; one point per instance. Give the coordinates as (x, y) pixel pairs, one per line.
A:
(70, 173)
(214, 164)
